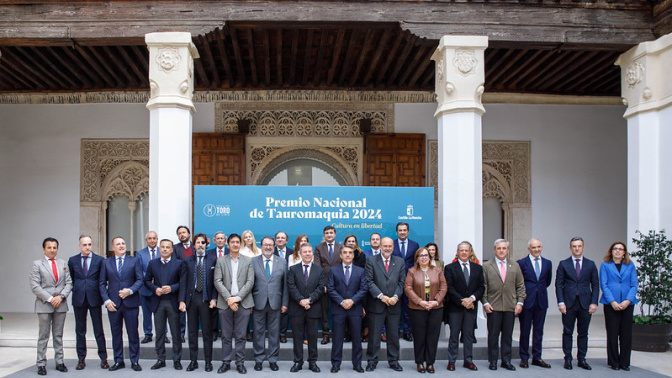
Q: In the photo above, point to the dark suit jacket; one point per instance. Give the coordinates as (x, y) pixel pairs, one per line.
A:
(338, 291)
(188, 288)
(288, 252)
(458, 288)
(411, 248)
(86, 287)
(178, 250)
(214, 250)
(567, 284)
(369, 253)
(299, 290)
(111, 283)
(145, 256)
(160, 274)
(537, 295)
(388, 283)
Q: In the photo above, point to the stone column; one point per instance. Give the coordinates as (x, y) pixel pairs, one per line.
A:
(460, 74)
(171, 80)
(646, 87)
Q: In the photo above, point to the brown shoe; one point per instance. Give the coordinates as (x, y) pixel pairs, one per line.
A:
(383, 338)
(421, 368)
(451, 366)
(524, 364)
(325, 340)
(430, 369)
(470, 366)
(80, 364)
(104, 364)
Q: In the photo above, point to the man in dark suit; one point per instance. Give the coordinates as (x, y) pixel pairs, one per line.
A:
(327, 255)
(163, 279)
(220, 249)
(85, 273)
(374, 242)
(405, 248)
(538, 273)
(198, 298)
(270, 301)
(150, 252)
(465, 289)
(305, 285)
(120, 281)
(182, 250)
(284, 252)
(502, 300)
(385, 276)
(347, 289)
(577, 287)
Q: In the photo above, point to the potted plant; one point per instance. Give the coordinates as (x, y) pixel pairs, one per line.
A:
(652, 327)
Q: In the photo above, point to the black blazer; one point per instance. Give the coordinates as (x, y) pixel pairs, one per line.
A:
(458, 288)
(288, 252)
(567, 284)
(299, 290)
(188, 287)
(160, 274)
(86, 287)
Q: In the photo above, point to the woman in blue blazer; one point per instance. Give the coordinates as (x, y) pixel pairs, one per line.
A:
(618, 280)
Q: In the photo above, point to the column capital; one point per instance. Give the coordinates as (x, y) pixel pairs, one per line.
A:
(646, 77)
(460, 73)
(171, 69)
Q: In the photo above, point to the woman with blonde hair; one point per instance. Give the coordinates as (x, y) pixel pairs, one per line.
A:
(250, 245)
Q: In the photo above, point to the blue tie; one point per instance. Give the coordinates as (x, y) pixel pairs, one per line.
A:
(119, 265)
(268, 269)
(347, 274)
(403, 249)
(537, 269)
(331, 251)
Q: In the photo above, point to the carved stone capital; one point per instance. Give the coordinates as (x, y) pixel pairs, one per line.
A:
(171, 70)
(460, 73)
(646, 77)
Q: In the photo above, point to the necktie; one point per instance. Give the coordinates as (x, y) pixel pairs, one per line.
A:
(465, 271)
(54, 269)
(153, 254)
(220, 253)
(578, 268)
(164, 262)
(119, 265)
(268, 269)
(347, 274)
(403, 249)
(282, 253)
(331, 251)
(85, 266)
(199, 274)
(537, 268)
(502, 270)
(305, 273)
(387, 266)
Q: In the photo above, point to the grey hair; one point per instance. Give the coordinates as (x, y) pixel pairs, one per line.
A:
(529, 242)
(501, 241)
(217, 233)
(305, 245)
(84, 236)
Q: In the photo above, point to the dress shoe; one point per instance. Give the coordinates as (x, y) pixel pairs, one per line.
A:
(208, 367)
(383, 338)
(430, 369)
(248, 337)
(347, 338)
(541, 363)
(365, 338)
(177, 365)
(224, 368)
(41, 370)
(335, 369)
(296, 367)
(193, 365)
(614, 367)
(80, 364)
(325, 340)
(421, 368)
(258, 366)
(61, 368)
(117, 366)
(104, 364)
(167, 340)
(568, 365)
(508, 366)
(524, 364)
(158, 365)
(408, 336)
(146, 340)
(183, 339)
(451, 366)
(471, 366)
(283, 339)
(396, 367)
(625, 368)
(493, 366)
(241, 369)
(274, 366)
(584, 365)
(136, 367)
(371, 366)
(358, 369)
(313, 367)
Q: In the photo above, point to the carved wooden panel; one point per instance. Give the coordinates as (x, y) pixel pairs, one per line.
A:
(395, 160)
(218, 159)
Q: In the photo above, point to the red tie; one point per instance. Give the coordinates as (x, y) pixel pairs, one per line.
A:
(387, 266)
(54, 269)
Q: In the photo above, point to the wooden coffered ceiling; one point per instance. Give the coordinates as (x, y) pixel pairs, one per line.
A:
(568, 48)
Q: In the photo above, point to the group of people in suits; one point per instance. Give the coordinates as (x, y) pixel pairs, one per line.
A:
(223, 288)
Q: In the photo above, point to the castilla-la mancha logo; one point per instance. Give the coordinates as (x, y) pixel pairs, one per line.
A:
(211, 210)
(409, 210)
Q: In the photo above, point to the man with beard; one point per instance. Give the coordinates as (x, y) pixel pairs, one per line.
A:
(182, 250)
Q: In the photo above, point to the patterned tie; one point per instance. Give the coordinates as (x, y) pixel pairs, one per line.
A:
(331, 251)
(465, 271)
(537, 268)
(153, 254)
(403, 249)
(85, 266)
(305, 273)
(199, 274)
(54, 269)
(578, 268)
(268, 269)
(347, 274)
(502, 270)
(119, 265)
(387, 266)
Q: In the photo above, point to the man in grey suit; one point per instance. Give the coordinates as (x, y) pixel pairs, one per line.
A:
(234, 280)
(385, 275)
(270, 300)
(50, 282)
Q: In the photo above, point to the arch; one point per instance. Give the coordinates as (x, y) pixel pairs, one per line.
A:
(129, 179)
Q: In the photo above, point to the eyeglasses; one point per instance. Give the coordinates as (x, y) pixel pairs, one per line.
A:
(422, 256)
(618, 249)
